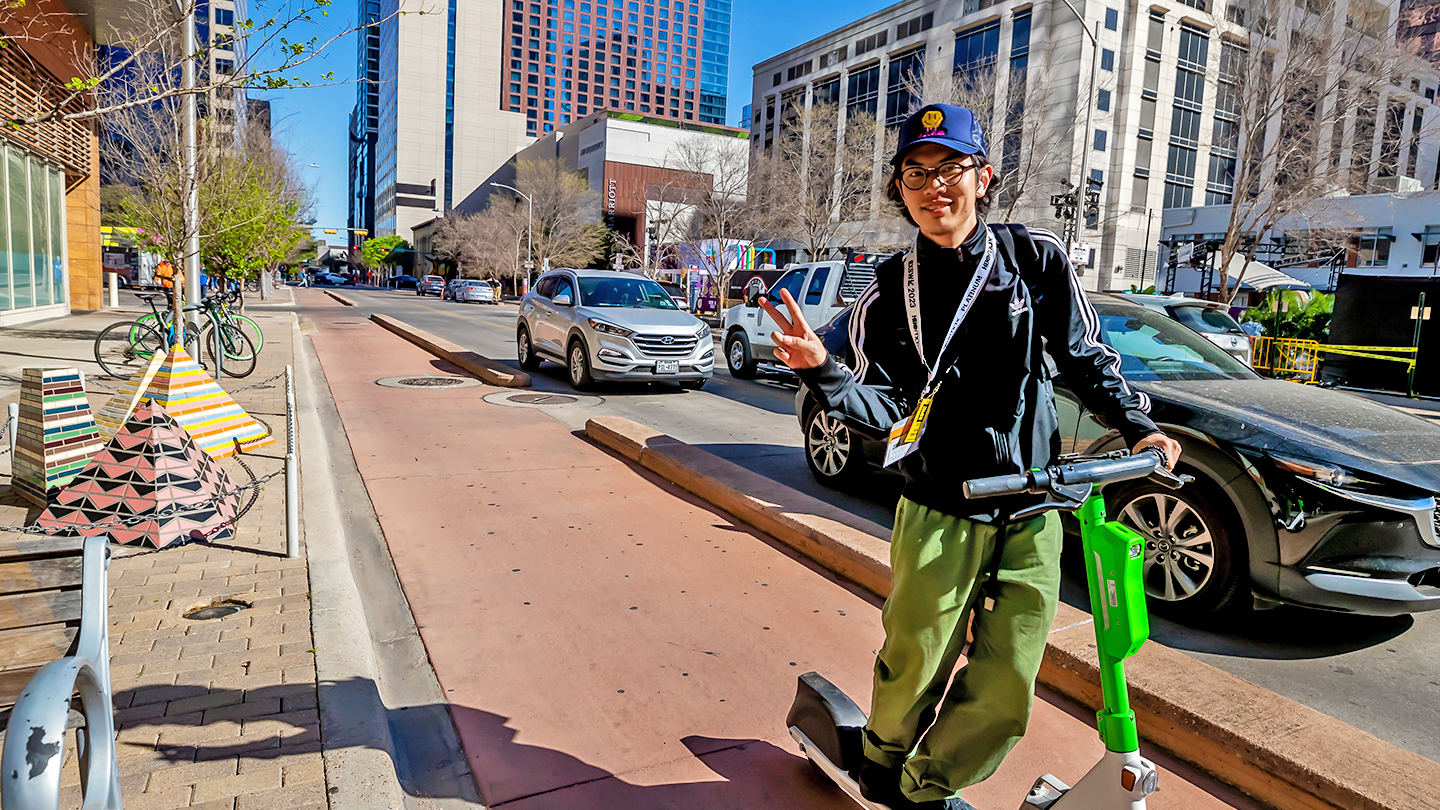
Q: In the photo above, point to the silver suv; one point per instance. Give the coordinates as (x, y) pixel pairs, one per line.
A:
(608, 325)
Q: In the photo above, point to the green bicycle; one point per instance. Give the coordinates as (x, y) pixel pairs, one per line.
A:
(124, 348)
(160, 318)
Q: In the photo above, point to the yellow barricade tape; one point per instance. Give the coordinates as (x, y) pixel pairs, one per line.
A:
(1398, 349)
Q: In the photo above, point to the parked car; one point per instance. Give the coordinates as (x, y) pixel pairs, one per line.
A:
(1210, 318)
(474, 290)
(448, 291)
(608, 325)
(402, 282)
(1302, 495)
(430, 285)
(820, 288)
(331, 279)
(677, 294)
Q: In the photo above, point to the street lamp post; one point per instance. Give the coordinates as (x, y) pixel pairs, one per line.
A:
(1083, 186)
(192, 180)
(529, 231)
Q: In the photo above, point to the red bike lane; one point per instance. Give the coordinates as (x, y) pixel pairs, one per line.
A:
(604, 639)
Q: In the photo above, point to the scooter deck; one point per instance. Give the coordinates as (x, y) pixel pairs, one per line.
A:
(836, 774)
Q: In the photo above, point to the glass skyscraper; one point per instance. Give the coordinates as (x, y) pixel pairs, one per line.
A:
(568, 58)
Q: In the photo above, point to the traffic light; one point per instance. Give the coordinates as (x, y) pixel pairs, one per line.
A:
(331, 230)
(360, 232)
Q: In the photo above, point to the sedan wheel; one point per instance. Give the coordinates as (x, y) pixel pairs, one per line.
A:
(830, 450)
(1194, 562)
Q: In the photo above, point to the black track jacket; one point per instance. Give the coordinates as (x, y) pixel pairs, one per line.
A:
(995, 412)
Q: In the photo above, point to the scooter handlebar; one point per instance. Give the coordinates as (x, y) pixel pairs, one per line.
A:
(1102, 470)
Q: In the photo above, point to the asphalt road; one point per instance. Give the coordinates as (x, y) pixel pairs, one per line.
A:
(1381, 675)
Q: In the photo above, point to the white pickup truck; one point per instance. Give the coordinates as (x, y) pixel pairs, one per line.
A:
(822, 289)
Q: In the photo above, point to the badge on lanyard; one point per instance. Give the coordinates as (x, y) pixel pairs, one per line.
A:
(905, 435)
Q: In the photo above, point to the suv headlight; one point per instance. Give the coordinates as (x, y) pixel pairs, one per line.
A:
(610, 328)
(702, 331)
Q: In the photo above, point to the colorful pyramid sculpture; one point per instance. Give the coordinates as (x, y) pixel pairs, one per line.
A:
(151, 465)
(193, 399)
(57, 432)
(112, 415)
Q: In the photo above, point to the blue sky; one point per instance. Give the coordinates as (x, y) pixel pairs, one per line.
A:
(312, 122)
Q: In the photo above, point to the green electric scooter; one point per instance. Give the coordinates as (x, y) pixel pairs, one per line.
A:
(828, 725)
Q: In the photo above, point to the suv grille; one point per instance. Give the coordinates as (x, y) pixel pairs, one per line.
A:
(655, 345)
(1435, 519)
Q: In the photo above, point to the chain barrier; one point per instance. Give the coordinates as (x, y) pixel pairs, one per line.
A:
(209, 503)
(4, 445)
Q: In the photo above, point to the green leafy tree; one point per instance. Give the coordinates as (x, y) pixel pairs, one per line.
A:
(380, 251)
(1294, 314)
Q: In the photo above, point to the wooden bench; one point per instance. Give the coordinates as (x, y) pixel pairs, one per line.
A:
(55, 670)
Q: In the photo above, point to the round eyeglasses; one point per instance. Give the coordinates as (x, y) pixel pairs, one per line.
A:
(918, 177)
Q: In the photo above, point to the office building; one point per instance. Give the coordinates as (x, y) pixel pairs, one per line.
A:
(364, 123)
(1150, 144)
(50, 259)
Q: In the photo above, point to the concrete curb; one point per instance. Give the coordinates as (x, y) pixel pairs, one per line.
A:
(1280, 752)
(482, 367)
(338, 297)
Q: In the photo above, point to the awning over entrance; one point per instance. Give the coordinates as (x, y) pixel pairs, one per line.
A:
(1262, 277)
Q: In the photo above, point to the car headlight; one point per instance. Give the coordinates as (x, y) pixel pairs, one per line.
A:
(1314, 470)
(610, 328)
(702, 331)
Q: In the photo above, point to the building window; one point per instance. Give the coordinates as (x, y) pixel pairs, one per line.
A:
(1107, 59)
(910, 28)
(31, 268)
(1112, 19)
(1102, 101)
(977, 48)
(224, 16)
(898, 98)
(864, 92)
(829, 93)
(225, 66)
(1372, 248)
(1430, 246)
(1100, 135)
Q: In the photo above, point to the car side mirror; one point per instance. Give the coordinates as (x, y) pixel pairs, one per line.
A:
(561, 300)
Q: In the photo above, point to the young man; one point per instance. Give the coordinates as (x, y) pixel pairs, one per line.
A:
(948, 340)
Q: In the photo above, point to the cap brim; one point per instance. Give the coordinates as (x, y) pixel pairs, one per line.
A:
(949, 143)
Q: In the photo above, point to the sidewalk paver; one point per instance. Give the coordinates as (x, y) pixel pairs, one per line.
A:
(212, 714)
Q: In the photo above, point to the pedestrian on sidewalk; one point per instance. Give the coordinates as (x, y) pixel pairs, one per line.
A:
(973, 397)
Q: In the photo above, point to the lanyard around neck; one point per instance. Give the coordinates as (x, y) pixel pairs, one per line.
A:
(972, 291)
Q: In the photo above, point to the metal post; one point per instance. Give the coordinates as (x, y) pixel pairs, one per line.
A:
(192, 180)
(292, 475)
(1145, 253)
(112, 280)
(14, 429)
(1410, 377)
(1082, 190)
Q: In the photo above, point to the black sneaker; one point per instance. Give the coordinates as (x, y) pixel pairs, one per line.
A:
(880, 783)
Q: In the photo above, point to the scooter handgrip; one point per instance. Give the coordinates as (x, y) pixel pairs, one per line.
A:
(998, 485)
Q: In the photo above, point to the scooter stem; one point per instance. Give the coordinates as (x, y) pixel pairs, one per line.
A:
(1114, 560)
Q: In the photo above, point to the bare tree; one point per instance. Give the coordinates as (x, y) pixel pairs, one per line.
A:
(818, 175)
(563, 204)
(702, 212)
(149, 37)
(1296, 86)
(486, 244)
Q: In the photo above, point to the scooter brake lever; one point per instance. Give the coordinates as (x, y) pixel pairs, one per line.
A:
(1169, 479)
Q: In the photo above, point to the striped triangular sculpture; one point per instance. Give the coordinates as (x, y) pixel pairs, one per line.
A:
(195, 401)
(112, 415)
(150, 467)
(57, 433)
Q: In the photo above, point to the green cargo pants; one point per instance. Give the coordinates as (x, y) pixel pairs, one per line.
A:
(940, 563)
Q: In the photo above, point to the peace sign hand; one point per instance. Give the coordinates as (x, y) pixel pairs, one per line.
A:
(796, 344)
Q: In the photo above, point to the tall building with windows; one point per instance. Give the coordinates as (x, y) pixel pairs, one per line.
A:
(1163, 131)
(365, 122)
(461, 92)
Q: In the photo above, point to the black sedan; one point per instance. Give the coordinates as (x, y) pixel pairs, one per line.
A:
(1302, 495)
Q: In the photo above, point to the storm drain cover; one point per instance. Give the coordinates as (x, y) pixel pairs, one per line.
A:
(427, 381)
(540, 399)
(543, 399)
(216, 610)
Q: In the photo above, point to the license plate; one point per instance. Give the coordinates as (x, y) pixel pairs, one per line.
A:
(667, 366)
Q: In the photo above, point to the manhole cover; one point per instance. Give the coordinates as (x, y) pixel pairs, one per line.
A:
(540, 399)
(428, 381)
(216, 610)
(543, 399)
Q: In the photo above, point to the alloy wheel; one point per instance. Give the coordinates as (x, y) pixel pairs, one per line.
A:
(1179, 547)
(737, 355)
(828, 443)
(577, 364)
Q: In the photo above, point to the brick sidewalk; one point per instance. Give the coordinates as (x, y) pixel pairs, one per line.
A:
(220, 713)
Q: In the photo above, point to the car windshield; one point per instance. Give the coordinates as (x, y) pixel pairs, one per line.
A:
(1154, 348)
(624, 292)
(1207, 320)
